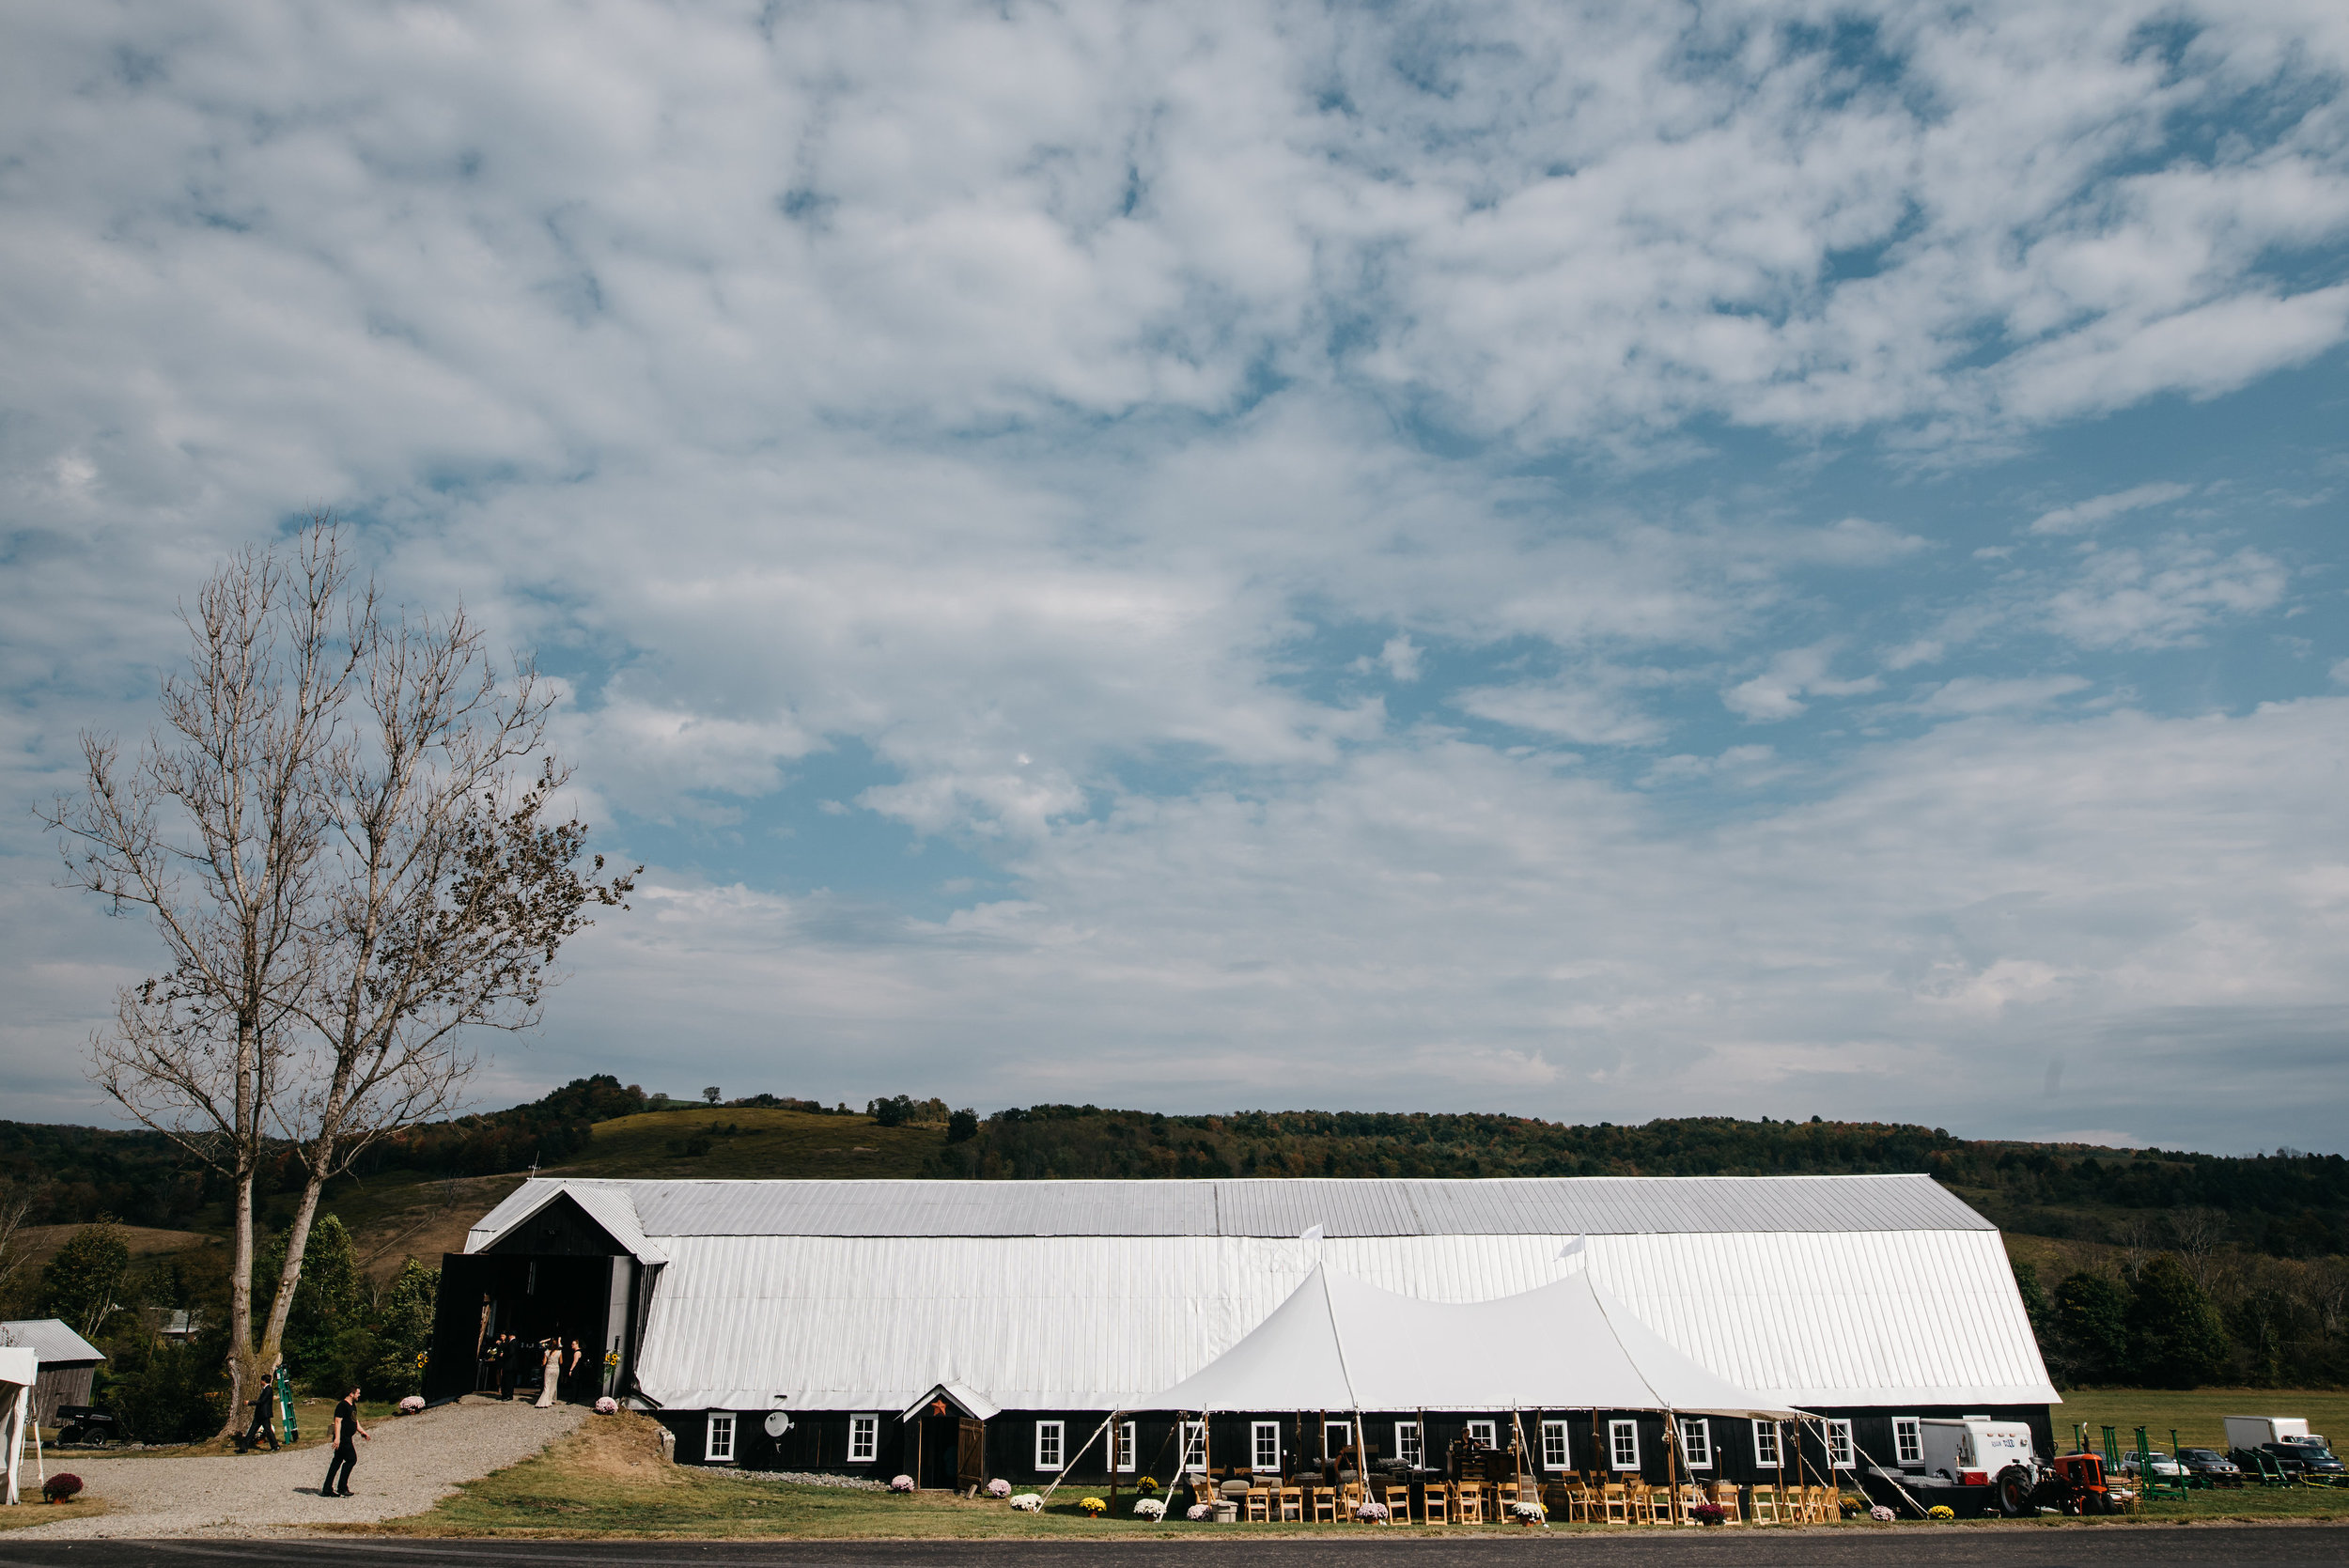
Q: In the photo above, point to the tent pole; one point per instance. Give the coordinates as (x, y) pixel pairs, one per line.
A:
(1113, 1458)
(1675, 1462)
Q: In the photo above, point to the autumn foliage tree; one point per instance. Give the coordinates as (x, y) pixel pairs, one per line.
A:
(345, 832)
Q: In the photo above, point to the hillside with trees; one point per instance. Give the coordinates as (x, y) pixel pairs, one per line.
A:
(2139, 1266)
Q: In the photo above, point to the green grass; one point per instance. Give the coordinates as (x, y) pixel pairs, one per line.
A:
(2198, 1414)
(35, 1509)
(769, 1143)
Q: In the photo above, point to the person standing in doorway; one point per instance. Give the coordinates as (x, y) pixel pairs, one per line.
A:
(339, 1434)
(510, 1364)
(550, 1372)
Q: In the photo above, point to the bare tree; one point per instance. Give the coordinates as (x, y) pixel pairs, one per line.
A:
(2196, 1235)
(214, 832)
(16, 1207)
(447, 895)
(328, 834)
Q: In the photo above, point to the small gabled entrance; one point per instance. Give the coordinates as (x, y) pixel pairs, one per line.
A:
(949, 1426)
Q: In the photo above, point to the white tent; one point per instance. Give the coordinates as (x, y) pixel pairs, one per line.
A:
(20, 1369)
(1337, 1344)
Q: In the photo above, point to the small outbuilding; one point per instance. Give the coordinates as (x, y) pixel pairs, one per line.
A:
(69, 1364)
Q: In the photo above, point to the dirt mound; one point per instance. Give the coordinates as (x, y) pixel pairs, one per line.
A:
(626, 1446)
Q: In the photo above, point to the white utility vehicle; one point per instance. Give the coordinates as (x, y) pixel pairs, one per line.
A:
(1974, 1460)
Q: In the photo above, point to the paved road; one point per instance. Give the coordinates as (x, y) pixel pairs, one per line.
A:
(2211, 1546)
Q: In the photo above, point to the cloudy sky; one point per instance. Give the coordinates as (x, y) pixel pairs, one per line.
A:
(1598, 562)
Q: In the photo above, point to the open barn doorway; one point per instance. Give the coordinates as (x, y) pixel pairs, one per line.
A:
(557, 1279)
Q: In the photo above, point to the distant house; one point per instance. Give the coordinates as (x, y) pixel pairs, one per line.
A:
(67, 1363)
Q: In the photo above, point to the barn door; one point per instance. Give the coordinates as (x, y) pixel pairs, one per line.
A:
(970, 1454)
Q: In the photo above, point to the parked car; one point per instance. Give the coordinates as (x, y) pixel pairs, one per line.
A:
(2311, 1454)
(2211, 1467)
(2158, 1464)
(85, 1424)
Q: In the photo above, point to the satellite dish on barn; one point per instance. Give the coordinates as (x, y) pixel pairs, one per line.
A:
(777, 1423)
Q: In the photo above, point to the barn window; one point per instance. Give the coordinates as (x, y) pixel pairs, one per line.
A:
(1406, 1445)
(1126, 1447)
(1336, 1437)
(1839, 1445)
(1484, 1432)
(1047, 1436)
(863, 1439)
(1266, 1445)
(718, 1448)
(1908, 1441)
(1554, 1451)
(1623, 1440)
(1696, 1443)
(1195, 1446)
(1765, 1445)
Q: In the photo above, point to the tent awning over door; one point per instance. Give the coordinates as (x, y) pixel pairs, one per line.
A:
(1337, 1344)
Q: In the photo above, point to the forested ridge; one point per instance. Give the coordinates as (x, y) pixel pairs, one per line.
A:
(2254, 1286)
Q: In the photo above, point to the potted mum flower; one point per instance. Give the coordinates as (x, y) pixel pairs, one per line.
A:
(999, 1488)
(1708, 1513)
(1028, 1502)
(901, 1483)
(1940, 1511)
(1199, 1512)
(1094, 1507)
(1149, 1507)
(1881, 1514)
(1372, 1514)
(61, 1487)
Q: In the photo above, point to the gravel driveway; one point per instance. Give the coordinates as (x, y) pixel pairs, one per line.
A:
(413, 1463)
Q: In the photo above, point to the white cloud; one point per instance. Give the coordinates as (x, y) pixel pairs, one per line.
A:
(1401, 657)
(2081, 517)
(1979, 694)
(1776, 693)
(2164, 595)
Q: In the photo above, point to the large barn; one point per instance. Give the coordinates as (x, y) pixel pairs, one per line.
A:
(950, 1329)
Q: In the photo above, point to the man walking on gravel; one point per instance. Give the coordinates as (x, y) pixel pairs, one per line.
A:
(345, 1427)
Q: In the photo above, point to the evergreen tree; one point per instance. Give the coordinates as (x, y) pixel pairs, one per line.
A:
(2177, 1340)
(81, 1284)
(2091, 1338)
(403, 1332)
(326, 1339)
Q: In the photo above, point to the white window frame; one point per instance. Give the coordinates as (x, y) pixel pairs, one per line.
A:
(1195, 1446)
(1407, 1446)
(1259, 1433)
(1055, 1434)
(1909, 1442)
(1125, 1448)
(1696, 1438)
(1331, 1450)
(718, 1438)
(1839, 1446)
(866, 1425)
(1558, 1430)
(1767, 1445)
(1620, 1436)
(1488, 1431)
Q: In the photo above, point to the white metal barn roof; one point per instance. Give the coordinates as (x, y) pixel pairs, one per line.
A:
(1811, 1291)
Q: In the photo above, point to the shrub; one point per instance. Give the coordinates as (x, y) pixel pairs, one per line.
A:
(61, 1487)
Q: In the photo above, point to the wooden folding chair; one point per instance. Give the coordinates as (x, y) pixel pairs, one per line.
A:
(1435, 1504)
(1398, 1505)
(1765, 1504)
(1725, 1498)
(1321, 1506)
(1472, 1502)
(1257, 1506)
(1616, 1497)
(1292, 1505)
